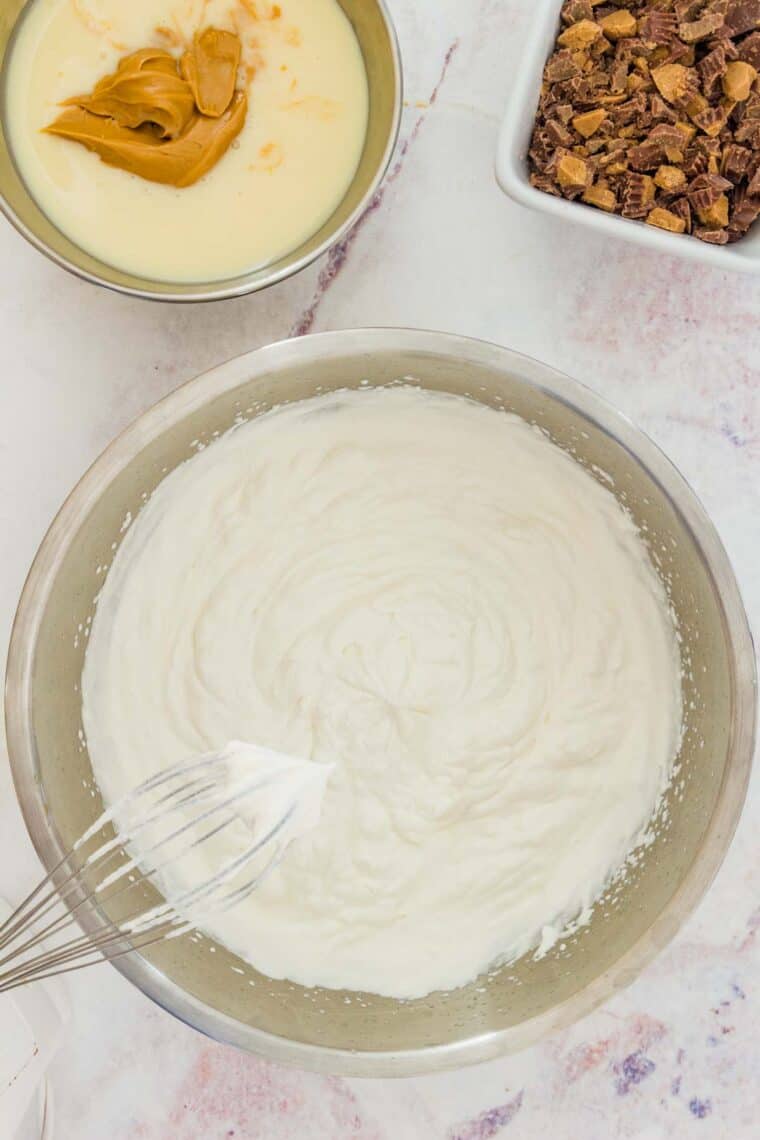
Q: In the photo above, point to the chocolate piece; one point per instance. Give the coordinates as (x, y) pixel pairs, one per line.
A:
(750, 133)
(659, 109)
(688, 9)
(712, 120)
(715, 215)
(575, 10)
(664, 142)
(619, 75)
(743, 16)
(628, 112)
(695, 162)
(683, 209)
(700, 29)
(557, 134)
(659, 27)
(561, 66)
(736, 161)
(705, 191)
(746, 211)
(546, 183)
(648, 156)
(749, 50)
(728, 45)
(712, 68)
(714, 237)
(679, 52)
(668, 137)
(563, 112)
(638, 195)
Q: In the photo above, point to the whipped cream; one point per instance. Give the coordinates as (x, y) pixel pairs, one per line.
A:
(273, 794)
(433, 597)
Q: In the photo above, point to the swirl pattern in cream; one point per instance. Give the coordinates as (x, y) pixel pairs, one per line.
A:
(434, 597)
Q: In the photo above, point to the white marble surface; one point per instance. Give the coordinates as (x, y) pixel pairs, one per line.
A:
(674, 346)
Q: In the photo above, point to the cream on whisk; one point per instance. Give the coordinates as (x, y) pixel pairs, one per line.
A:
(438, 600)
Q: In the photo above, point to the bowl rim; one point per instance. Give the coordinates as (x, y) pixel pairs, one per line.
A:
(365, 342)
(512, 174)
(239, 286)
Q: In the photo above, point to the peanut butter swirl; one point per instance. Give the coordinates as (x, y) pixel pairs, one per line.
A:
(165, 120)
(145, 89)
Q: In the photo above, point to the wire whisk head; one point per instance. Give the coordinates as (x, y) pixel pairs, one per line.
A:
(166, 823)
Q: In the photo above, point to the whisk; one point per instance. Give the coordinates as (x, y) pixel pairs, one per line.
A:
(177, 812)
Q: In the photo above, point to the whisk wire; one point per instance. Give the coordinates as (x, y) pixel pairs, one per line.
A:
(80, 882)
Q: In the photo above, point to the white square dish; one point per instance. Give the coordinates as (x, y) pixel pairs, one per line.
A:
(33, 1020)
(512, 166)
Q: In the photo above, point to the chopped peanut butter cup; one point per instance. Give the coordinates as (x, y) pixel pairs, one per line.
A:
(651, 109)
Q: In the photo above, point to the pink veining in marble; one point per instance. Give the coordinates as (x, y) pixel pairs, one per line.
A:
(490, 1122)
(228, 1094)
(336, 258)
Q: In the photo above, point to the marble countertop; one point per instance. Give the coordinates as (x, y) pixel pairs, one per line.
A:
(673, 345)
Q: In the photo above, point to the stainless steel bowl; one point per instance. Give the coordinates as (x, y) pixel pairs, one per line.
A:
(514, 1006)
(374, 29)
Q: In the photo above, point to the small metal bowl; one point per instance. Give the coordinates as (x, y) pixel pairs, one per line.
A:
(515, 1005)
(374, 30)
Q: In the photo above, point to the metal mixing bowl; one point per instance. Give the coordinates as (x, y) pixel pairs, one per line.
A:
(374, 30)
(515, 1005)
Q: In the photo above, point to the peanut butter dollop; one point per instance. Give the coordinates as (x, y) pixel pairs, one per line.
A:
(166, 122)
(210, 68)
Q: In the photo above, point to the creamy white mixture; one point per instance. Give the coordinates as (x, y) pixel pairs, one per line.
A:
(435, 598)
(283, 177)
